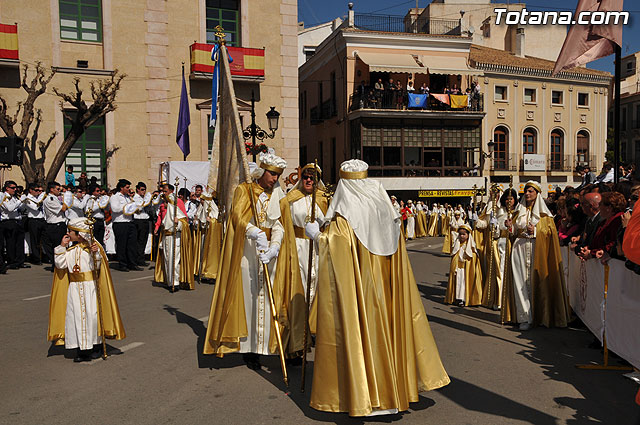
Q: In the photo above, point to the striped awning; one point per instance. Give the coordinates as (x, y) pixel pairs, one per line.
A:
(391, 62)
(450, 65)
(247, 62)
(8, 41)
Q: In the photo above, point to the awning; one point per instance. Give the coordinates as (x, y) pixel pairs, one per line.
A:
(454, 65)
(390, 62)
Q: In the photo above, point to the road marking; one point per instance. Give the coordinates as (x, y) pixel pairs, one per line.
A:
(140, 278)
(36, 298)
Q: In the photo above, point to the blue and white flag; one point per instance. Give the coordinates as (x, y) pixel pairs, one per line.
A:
(417, 100)
(214, 83)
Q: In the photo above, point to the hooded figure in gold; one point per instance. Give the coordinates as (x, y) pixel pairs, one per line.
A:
(465, 278)
(538, 279)
(73, 309)
(374, 347)
(240, 315)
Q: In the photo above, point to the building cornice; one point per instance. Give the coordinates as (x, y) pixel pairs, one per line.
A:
(418, 42)
(545, 74)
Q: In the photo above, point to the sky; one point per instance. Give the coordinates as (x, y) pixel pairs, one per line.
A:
(313, 12)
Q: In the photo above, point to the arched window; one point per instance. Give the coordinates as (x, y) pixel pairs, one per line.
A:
(529, 140)
(556, 150)
(501, 148)
(582, 151)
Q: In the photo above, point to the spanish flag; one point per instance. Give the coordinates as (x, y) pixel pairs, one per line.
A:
(8, 41)
(246, 61)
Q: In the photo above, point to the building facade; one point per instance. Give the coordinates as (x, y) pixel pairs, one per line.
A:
(477, 98)
(629, 110)
(150, 41)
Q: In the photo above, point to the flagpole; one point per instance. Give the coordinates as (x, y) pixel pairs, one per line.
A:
(183, 155)
(616, 113)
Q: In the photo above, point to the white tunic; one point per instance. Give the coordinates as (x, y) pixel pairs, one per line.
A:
(299, 211)
(522, 256)
(81, 319)
(411, 223)
(256, 298)
(172, 272)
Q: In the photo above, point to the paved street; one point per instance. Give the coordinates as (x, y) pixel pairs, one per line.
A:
(157, 375)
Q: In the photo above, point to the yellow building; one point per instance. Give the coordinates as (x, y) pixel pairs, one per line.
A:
(541, 127)
(149, 41)
(476, 98)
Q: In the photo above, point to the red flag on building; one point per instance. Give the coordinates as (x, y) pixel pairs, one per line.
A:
(586, 43)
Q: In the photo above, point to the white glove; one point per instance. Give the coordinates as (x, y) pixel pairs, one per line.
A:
(269, 254)
(493, 221)
(254, 233)
(312, 230)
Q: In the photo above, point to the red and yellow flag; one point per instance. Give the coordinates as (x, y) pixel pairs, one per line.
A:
(8, 41)
(246, 62)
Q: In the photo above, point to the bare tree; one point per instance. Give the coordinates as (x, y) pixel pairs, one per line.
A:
(103, 95)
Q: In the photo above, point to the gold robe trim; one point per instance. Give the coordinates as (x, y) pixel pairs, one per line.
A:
(374, 346)
(113, 327)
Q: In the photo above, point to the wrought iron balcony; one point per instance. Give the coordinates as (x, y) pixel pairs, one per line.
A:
(402, 24)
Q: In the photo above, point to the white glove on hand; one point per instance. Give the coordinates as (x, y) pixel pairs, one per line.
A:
(254, 233)
(493, 221)
(312, 230)
(269, 254)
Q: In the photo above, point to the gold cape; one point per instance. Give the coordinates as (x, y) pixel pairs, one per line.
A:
(212, 248)
(448, 241)
(480, 237)
(490, 287)
(432, 228)
(421, 225)
(290, 297)
(113, 327)
(374, 346)
(549, 301)
(227, 320)
(473, 281)
(186, 257)
(508, 313)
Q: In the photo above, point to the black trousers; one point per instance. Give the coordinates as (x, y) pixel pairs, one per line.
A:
(142, 231)
(126, 243)
(13, 235)
(53, 233)
(36, 228)
(98, 231)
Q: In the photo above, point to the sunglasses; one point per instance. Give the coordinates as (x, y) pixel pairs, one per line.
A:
(307, 177)
(12, 187)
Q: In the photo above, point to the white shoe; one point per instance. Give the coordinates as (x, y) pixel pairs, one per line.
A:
(525, 326)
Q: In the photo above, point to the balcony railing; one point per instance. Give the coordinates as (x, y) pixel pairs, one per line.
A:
(560, 163)
(370, 98)
(9, 42)
(247, 63)
(390, 23)
(502, 161)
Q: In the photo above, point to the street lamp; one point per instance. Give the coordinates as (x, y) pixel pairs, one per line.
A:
(253, 131)
(484, 155)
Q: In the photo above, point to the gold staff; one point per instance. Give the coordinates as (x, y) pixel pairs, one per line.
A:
(267, 282)
(94, 273)
(493, 191)
(175, 233)
(308, 298)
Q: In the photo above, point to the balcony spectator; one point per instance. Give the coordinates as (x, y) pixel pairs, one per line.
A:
(455, 89)
(399, 95)
(603, 243)
(379, 89)
(424, 89)
(410, 88)
(389, 94)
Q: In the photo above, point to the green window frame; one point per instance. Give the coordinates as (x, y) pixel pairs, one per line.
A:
(88, 154)
(226, 14)
(81, 20)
